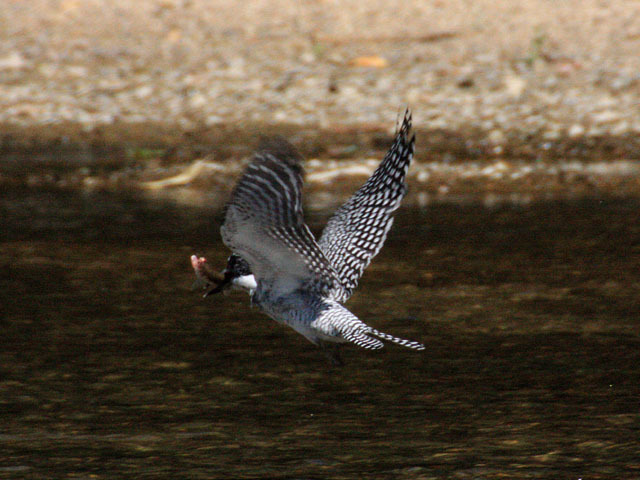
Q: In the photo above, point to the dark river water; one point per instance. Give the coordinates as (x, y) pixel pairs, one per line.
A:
(112, 367)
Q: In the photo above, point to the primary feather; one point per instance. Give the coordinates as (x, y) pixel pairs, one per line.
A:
(301, 282)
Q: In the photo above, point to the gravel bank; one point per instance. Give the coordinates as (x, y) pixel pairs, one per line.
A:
(486, 80)
(549, 69)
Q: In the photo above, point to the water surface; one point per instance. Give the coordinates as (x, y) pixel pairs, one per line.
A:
(112, 367)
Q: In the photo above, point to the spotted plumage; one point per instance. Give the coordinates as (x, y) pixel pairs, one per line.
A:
(298, 281)
(357, 230)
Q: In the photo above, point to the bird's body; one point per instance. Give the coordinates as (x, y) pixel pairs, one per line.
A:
(291, 277)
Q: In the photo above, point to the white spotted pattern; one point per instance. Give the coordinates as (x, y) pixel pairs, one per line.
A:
(300, 282)
(357, 230)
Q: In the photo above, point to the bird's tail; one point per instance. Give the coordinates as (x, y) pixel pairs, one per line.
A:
(399, 341)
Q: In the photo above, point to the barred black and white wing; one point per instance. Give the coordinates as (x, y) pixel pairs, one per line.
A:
(357, 230)
(264, 223)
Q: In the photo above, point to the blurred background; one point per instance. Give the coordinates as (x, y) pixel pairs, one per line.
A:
(515, 256)
(495, 82)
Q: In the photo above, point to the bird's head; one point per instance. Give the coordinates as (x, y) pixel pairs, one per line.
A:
(237, 274)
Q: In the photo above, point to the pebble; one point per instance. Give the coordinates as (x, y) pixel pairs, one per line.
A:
(605, 117)
(12, 61)
(497, 137)
(515, 85)
(576, 130)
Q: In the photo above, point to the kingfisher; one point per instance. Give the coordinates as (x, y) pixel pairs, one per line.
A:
(292, 277)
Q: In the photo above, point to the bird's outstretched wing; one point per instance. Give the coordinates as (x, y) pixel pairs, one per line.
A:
(265, 226)
(357, 230)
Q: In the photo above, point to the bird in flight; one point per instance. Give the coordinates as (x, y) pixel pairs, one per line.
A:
(290, 276)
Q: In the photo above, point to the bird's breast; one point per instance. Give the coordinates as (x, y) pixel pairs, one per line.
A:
(290, 308)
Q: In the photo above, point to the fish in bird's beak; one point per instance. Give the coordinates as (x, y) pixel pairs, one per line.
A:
(208, 279)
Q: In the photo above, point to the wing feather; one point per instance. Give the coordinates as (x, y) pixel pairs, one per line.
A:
(264, 223)
(357, 230)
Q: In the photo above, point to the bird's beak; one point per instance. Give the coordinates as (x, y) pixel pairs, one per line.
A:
(220, 284)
